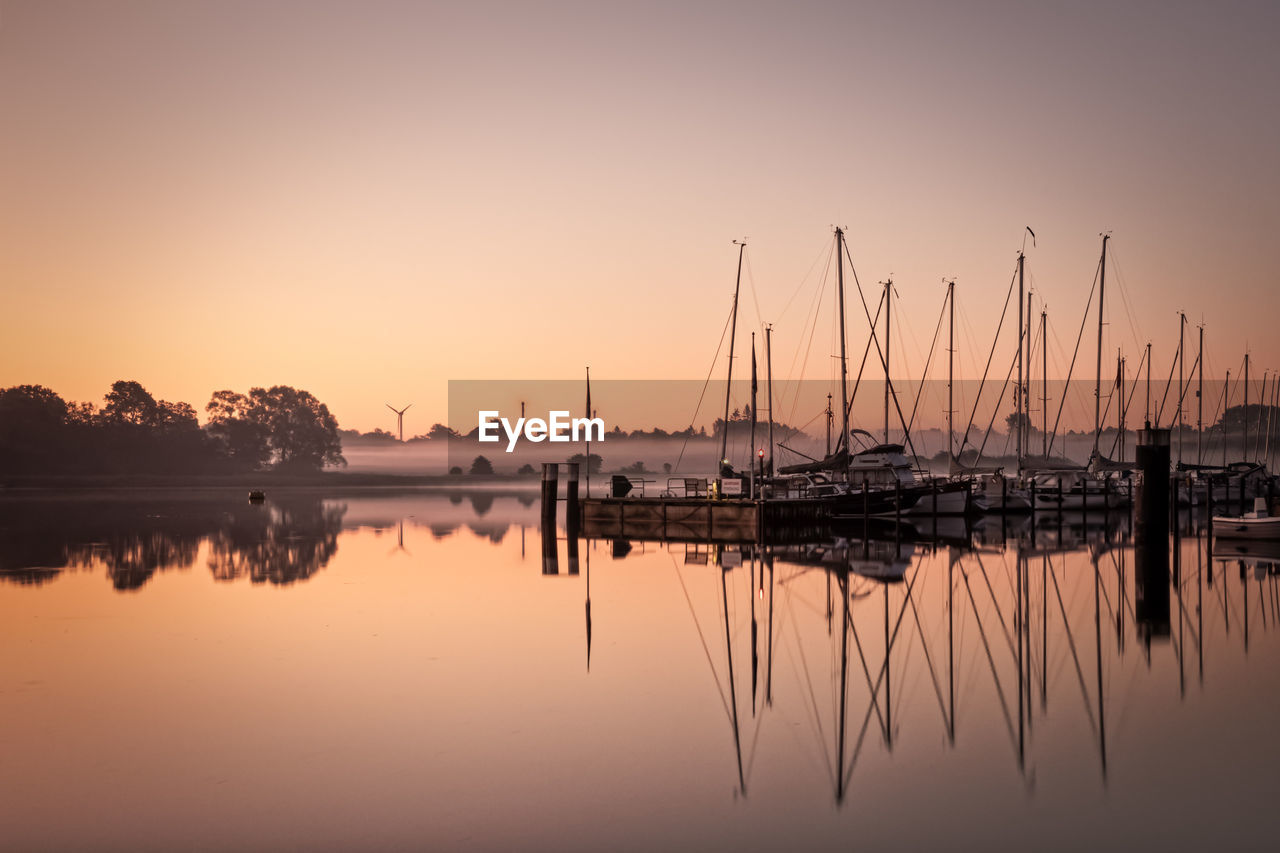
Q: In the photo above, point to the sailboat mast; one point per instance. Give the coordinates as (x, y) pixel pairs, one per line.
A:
(588, 431)
(768, 371)
(1226, 407)
(1120, 411)
(1017, 398)
(751, 445)
(1182, 360)
(844, 361)
(951, 356)
(1097, 380)
(888, 304)
(1271, 409)
(1025, 421)
(1262, 404)
(1044, 384)
(1147, 418)
(1244, 448)
(1200, 402)
(829, 414)
(733, 330)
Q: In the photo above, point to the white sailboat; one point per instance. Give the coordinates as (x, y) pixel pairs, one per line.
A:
(1257, 524)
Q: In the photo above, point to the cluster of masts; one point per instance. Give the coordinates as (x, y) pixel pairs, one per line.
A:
(1023, 364)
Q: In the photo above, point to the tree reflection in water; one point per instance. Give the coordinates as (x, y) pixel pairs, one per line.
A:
(278, 543)
(132, 558)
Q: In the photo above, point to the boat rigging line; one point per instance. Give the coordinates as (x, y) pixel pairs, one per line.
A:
(684, 444)
(1071, 368)
(924, 377)
(995, 411)
(883, 361)
(964, 441)
(1168, 383)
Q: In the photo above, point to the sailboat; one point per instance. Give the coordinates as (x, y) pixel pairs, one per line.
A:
(996, 492)
(1257, 524)
(879, 478)
(1093, 487)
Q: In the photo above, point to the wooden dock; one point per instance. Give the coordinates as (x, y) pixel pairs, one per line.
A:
(696, 519)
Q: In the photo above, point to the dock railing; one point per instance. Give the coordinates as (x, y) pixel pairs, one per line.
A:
(685, 487)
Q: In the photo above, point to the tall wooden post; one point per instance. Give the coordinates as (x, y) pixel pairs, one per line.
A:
(550, 486)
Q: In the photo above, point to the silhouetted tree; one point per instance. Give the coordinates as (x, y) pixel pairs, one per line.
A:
(377, 436)
(526, 470)
(481, 465)
(280, 425)
(438, 432)
(32, 428)
(301, 432)
(596, 466)
(241, 437)
(1011, 421)
(40, 433)
(129, 403)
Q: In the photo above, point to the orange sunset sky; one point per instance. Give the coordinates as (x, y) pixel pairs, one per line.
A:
(369, 199)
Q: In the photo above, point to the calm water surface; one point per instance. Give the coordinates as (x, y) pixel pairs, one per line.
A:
(380, 671)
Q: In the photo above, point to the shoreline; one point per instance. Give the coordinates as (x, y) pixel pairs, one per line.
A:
(327, 480)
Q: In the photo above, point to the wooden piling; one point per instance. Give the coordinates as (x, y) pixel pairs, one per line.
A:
(550, 488)
(1151, 518)
(866, 509)
(1208, 500)
(572, 511)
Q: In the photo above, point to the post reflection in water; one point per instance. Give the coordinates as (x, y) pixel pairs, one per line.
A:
(411, 663)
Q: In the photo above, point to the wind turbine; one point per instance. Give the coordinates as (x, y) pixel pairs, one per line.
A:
(399, 418)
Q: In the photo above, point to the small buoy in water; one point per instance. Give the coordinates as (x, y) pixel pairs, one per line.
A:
(257, 496)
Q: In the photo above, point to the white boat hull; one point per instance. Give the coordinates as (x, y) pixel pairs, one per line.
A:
(1048, 501)
(948, 503)
(1228, 527)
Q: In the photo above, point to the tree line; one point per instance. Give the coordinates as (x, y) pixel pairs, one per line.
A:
(280, 428)
(739, 422)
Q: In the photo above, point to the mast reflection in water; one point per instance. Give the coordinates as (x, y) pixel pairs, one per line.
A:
(427, 670)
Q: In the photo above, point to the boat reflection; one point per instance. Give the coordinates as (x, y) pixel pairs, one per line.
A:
(1029, 626)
